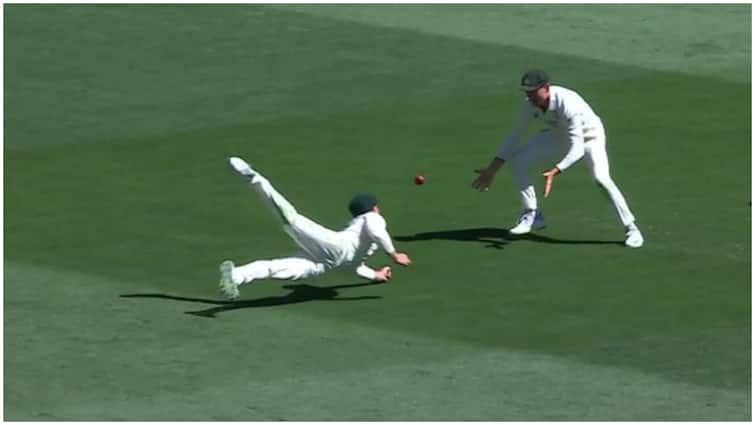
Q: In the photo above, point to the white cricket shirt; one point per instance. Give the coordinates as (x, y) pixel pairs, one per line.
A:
(362, 236)
(567, 113)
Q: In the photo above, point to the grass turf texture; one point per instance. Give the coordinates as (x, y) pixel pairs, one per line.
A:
(119, 206)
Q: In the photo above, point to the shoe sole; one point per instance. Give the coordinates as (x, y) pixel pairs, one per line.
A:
(227, 287)
(241, 167)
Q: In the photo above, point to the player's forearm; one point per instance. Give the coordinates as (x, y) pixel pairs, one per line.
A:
(576, 146)
(386, 244)
(516, 133)
(496, 164)
(576, 152)
(379, 235)
(504, 151)
(365, 272)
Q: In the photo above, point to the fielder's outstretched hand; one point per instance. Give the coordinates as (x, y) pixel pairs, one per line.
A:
(383, 275)
(484, 179)
(549, 175)
(401, 258)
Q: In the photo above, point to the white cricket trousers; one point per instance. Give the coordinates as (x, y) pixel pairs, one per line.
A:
(547, 147)
(320, 246)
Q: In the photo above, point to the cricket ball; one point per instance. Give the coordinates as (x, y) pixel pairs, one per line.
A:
(419, 180)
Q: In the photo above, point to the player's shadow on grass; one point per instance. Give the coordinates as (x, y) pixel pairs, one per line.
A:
(496, 238)
(299, 293)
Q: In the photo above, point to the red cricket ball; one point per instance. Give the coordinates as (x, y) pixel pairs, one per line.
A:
(419, 180)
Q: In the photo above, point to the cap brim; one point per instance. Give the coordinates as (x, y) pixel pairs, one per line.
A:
(531, 88)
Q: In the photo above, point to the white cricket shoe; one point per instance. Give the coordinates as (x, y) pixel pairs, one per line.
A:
(227, 287)
(242, 167)
(634, 237)
(529, 220)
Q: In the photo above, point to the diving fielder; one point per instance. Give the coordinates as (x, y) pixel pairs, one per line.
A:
(322, 249)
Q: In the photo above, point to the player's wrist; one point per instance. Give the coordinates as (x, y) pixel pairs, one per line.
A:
(496, 164)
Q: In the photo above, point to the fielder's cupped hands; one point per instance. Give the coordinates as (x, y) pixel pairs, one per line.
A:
(549, 176)
(484, 179)
(383, 275)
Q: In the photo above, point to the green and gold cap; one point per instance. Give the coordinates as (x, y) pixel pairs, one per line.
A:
(534, 79)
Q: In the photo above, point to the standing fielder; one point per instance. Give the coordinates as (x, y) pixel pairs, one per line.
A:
(322, 249)
(573, 131)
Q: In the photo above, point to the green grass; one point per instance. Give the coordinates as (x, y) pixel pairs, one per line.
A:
(702, 42)
(119, 207)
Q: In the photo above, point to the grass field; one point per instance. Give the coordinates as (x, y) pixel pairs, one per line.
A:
(119, 206)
